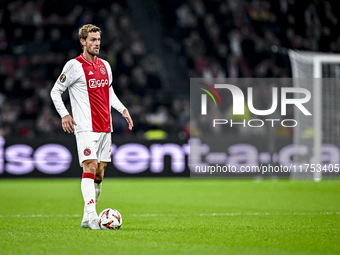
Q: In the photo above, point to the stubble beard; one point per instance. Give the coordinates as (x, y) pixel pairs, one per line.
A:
(92, 53)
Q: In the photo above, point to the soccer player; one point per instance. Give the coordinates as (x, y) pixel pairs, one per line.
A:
(88, 79)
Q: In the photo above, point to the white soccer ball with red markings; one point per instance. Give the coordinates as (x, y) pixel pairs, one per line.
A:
(110, 219)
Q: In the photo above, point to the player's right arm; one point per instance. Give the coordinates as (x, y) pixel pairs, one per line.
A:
(65, 80)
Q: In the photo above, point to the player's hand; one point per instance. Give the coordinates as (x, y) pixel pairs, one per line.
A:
(127, 116)
(67, 123)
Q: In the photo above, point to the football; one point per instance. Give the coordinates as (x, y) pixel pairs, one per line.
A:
(110, 219)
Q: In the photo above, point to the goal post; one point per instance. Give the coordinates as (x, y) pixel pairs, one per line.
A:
(319, 73)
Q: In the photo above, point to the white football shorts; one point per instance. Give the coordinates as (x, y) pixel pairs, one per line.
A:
(93, 145)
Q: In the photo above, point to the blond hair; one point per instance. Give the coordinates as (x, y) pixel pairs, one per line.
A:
(86, 29)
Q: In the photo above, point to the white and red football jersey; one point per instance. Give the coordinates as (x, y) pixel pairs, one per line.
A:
(90, 93)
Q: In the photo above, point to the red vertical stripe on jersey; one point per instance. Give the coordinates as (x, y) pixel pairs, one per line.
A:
(97, 80)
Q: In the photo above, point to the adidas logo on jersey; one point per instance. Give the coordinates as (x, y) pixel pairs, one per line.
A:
(90, 73)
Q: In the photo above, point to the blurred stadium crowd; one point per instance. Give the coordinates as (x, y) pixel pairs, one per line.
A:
(247, 38)
(211, 38)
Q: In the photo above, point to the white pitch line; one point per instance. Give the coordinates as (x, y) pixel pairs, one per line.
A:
(175, 215)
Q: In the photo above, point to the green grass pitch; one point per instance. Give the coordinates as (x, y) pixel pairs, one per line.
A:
(173, 216)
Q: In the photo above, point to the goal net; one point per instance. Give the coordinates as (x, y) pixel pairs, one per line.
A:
(317, 138)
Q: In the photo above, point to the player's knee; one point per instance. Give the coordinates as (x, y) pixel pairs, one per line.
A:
(90, 166)
(101, 168)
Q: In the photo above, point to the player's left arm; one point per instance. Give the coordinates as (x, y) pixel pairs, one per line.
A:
(115, 102)
(128, 118)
